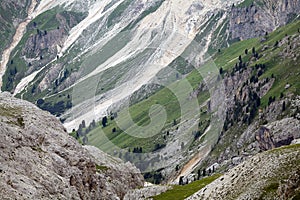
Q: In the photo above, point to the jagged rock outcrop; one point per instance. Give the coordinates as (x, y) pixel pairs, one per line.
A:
(39, 160)
(44, 41)
(244, 135)
(47, 41)
(284, 131)
(51, 76)
(256, 139)
(261, 17)
(265, 139)
(270, 175)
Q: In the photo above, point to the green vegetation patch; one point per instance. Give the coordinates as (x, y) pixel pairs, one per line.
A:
(10, 112)
(101, 168)
(117, 12)
(280, 149)
(271, 188)
(285, 70)
(246, 3)
(179, 192)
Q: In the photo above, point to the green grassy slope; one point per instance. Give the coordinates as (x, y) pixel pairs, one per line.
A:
(179, 192)
(285, 70)
(282, 63)
(17, 67)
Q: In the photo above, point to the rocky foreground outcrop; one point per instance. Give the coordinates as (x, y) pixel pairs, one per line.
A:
(39, 160)
(273, 174)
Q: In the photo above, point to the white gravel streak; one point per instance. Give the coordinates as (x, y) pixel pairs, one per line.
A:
(177, 20)
(176, 17)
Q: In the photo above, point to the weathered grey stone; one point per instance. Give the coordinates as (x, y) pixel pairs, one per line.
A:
(249, 179)
(146, 192)
(39, 160)
(236, 160)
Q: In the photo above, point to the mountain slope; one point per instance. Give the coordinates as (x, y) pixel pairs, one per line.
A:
(112, 42)
(262, 97)
(85, 60)
(11, 14)
(248, 87)
(70, 45)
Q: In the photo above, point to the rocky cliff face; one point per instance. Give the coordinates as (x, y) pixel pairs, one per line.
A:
(256, 122)
(48, 40)
(39, 160)
(242, 142)
(261, 17)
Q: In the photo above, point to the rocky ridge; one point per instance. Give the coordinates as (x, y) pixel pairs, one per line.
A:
(270, 175)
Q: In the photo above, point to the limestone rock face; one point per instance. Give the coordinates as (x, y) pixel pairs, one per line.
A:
(39, 160)
(48, 41)
(42, 41)
(265, 139)
(259, 18)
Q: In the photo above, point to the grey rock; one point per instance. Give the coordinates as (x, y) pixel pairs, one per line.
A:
(265, 139)
(249, 179)
(257, 19)
(285, 131)
(39, 160)
(146, 193)
(236, 160)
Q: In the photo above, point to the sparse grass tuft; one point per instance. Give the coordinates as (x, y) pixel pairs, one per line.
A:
(101, 168)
